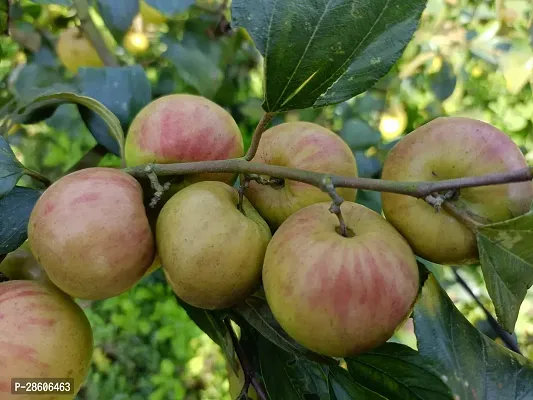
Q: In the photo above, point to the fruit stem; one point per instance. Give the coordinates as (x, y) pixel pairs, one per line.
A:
(38, 176)
(244, 182)
(245, 364)
(415, 189)
(462, 215)
(261, 127)
(154, 182)
(328, 187)
(93, 34)
(508, 339)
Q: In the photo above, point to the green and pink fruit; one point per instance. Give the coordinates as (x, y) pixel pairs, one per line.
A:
(339, 296)
(449, 148)
(305, 146)
(184, 128)
(212, 253)
(90, 233)
(43, 334)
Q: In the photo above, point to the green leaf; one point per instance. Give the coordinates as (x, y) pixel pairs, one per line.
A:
(516, 66)
(170, 7)
(15, 210)
(10, 168)
(359, 135)
(443, 82)
(123, 90)
(118, 15)
(196, 68)
(256, 312)
(472, 365)
(4, 17)
(397, 371)
(60, 2)
(287, 377)
(212, 323)
(506, 257)
(343, 387)
(325, 52)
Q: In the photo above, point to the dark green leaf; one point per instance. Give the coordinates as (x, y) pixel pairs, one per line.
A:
(443, 82)
(472, 365)
(15, 210)
(123, 90)
(170, 7)
(118, 15)
(10, 168)
(38, 80)
(325, 52)
(370, 199)
(359, 135)
(287, 377)
(397, 371)
(506, 257)
(367, 167)
(198, 69)
(60, 2)
(212, 323)
(256, 312)
(343, 387)
(4, 16)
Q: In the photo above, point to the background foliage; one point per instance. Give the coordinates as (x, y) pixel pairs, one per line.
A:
(468, 58)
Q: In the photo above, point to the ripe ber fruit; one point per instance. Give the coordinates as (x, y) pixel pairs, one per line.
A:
(75, 50)
(184, 128)
(305, 146)
(448, 148)
(212, 253)
(336, 295)
(90, 233)
(43, 334)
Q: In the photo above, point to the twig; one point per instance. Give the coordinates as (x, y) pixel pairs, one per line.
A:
(505, 336)
(37, 175)
(93, 34)
(244, 183)
(261, 127)
(246, 367)
(415, 189)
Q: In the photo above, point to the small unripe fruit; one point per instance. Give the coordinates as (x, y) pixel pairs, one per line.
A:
(449, 148)
(90, 233)
(211, 252)
(136, 43)
(305, 146)
(75, 50)
(339, 296)
(44, 334)
(184, 128)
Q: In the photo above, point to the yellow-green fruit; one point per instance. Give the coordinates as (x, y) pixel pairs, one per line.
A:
(339, 296)
(212, 253)
(75, 51)
(44, 334)
(450, 148)
(236, 383)
(150, 15)
(136, 43)
(305, 146)
(184, 128)
(22, 265)
(90, 233)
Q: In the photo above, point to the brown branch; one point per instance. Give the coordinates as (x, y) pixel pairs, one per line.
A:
(93, 34)
(38, 176)
(259, 130)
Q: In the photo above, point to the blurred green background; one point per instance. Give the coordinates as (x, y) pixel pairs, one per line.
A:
(469, 58)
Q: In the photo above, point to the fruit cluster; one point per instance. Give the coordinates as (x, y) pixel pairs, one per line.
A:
(337, 292)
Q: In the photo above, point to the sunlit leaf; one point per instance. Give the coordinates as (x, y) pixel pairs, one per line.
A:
(10, 168)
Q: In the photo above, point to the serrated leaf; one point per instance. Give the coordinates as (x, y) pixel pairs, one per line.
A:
(473, 366)
(10, 168)
(287, 377)
(325, 52)
(396, 371)
(343, 387)
(195, 67)
(256, 312)
(118, 15)
(170, 7)
(15, 210)
(212, 323)
(123, 90)
(359, 135)
(506, 257)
